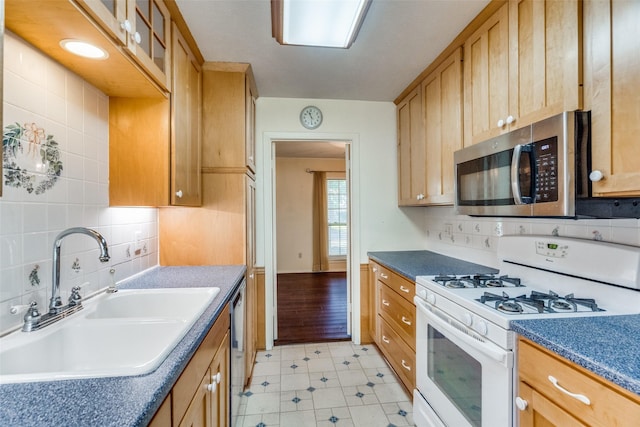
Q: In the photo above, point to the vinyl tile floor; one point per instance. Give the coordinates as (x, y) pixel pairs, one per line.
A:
(336, 384)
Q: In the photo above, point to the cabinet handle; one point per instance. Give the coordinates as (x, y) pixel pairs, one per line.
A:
(500, 123)
(581, 397)
(385, 302)
(403, 289)
(179, 194)
(510, 120)
(406, 321)
(384, 276)
(212, 387)
(596, 176)
(251, 276)
(521, 404)
(420, 197)
(405, 366)
(385, 340)
(375, 269)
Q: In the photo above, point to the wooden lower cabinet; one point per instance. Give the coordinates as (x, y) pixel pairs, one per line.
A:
(200, 397)
(394, 315)
(546, 404)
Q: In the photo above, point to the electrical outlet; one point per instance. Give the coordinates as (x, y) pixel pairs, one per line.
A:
(448, 230)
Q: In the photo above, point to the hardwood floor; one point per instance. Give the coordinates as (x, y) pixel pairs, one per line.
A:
(312, 307)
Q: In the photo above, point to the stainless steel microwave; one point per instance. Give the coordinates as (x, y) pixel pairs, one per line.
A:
(538, 170)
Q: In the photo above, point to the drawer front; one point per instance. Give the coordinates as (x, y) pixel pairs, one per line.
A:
(398, 312)
(607, 407)
(401, 357)
(404, 287)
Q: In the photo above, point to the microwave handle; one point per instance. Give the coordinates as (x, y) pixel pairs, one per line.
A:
(515, 176)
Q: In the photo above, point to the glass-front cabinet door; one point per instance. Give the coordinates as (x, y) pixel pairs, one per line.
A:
(151, 39)
(143, 27)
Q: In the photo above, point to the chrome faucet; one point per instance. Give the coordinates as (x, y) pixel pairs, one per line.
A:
(55, 305)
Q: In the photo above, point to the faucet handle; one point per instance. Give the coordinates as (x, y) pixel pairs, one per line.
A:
(32, 312)
(75, 298)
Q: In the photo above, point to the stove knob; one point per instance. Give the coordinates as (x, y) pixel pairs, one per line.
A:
(521, 404)
(467, 319)
(481, 327)
(431, 298)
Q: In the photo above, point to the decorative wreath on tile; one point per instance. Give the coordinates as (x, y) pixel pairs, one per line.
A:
(42, 151)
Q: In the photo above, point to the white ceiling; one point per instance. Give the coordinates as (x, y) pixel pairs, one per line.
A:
(397, 41)
(311, 149)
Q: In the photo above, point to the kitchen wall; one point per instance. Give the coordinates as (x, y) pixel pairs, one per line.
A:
(49, 110)
(294, 211)
(476, 239)
(382, 225)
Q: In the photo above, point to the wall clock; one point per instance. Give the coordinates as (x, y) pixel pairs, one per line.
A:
(311, 117)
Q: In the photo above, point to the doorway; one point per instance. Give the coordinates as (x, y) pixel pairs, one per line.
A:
(311, 221)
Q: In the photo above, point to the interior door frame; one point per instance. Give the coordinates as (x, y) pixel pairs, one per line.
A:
(270, 254)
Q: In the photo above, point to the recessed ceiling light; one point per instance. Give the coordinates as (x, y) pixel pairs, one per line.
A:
(84, 49)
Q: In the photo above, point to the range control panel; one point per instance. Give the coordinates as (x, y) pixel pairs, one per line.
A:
(551, 249)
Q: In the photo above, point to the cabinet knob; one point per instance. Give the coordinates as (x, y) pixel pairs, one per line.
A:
(420, 197)
(521, 404)
(510, 120)
(126, 26)
(212, 387)
(179, 194)
(216, 378)
(596, 175)
(501, 123)
(136, 37)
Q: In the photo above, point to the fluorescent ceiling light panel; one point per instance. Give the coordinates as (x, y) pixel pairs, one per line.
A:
(328, 23)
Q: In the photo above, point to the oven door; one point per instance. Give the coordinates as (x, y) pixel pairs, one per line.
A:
(466, 380)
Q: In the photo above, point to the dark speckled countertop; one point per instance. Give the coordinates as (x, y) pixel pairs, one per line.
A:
(121, 401)
(426, 263)
(607, 345)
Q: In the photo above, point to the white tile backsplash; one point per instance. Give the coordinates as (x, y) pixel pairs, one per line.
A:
(480, 235)
(40, 91)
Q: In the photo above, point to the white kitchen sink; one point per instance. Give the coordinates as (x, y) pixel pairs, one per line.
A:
(126, 333)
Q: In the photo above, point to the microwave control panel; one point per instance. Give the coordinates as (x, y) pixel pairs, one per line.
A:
(546, 155)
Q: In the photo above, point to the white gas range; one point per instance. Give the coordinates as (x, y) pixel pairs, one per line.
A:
(465, 348)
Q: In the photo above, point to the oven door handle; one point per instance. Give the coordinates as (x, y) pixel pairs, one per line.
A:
(486, 348)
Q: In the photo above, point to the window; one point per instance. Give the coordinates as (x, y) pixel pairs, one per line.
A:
(337, 203)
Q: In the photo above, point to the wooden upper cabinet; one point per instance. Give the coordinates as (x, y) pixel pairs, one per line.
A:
(411, 149)
(486, 78)
(43, 23)
(229, 94)
(144, 29)
(139, 151)
(186, 111)
(612, 79)
(544, 58)
(114, 16)
(522, 65)
(442, 104)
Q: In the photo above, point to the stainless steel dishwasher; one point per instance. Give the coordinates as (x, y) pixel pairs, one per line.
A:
(237, 350)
